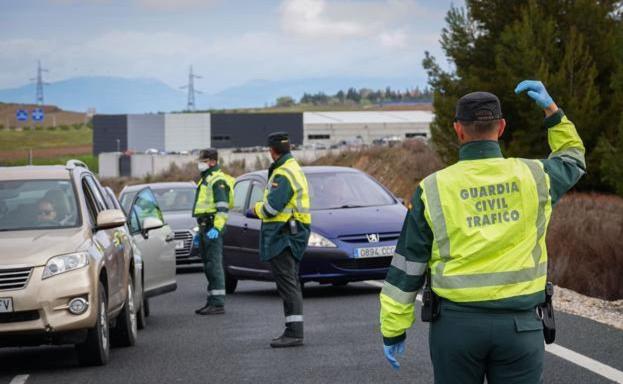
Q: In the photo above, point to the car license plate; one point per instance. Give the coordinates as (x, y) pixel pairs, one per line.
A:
(6, 304)
(375, 251)
(179, 244)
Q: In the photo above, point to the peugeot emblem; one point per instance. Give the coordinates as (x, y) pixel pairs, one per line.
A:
(373, 238)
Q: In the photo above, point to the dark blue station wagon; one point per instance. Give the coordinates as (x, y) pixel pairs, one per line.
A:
(356, 223)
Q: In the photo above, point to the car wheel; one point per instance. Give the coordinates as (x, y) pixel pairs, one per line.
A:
(125, 332)
(230, 283)
(146, 306)
(141, 316)
(95, 350)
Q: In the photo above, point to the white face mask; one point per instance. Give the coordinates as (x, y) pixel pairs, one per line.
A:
(202, 166)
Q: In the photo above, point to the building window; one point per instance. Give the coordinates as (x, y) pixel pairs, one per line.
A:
(221, 138)
(413, 135)
(318, 137)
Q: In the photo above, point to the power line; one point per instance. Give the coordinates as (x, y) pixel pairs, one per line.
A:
(190, 104)
(40, 82)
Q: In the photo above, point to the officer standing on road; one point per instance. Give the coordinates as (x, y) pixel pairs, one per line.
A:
(285, 231)
(478, 227)
(211, 208)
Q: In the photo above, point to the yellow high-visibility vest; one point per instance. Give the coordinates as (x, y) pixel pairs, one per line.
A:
(205, 201)
(489, 218)
(298, 206)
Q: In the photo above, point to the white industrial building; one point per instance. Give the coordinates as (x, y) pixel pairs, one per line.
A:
(186, 131)
(336, 127)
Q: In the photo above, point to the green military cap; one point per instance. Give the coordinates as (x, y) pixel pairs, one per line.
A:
(478, 106)
(279, 141)
(208, 154)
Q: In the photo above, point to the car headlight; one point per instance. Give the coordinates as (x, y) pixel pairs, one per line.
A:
(65, 263)
(316, 240)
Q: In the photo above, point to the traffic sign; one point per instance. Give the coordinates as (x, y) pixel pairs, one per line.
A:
(21, 115)
(37, 114)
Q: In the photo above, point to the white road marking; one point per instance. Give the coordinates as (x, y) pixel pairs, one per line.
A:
(586, 362)
(564, 353)
(19, 379)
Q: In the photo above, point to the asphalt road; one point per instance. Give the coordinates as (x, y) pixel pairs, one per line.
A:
(342, 344)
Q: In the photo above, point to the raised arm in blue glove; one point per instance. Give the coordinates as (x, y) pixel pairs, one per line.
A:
(536, 90)
(212, 234)
(394, 351)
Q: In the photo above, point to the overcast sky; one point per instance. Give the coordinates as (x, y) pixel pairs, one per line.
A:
(229, 42)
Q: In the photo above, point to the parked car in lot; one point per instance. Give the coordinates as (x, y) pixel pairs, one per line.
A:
(176, 201)
(70, 272)
(356, 223)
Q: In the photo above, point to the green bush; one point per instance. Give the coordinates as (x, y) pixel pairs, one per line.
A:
(51, 128)
(39, 128)
(26, 128)
(64, 128)
(78, 126)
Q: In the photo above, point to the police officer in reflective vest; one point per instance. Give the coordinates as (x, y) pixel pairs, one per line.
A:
(479, 228)
(211, 208)
(284, 234)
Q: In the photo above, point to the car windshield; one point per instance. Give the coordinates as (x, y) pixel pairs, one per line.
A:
(37, 204)
(333, 190)
(169, 199)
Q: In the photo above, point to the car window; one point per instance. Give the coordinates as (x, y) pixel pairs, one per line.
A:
(241, 190)
(333, 190)
(34, 204)
(257, 194)
(90, 200)
(126, 200)
(96, 193)
(175, 199)
(145, 205)
(134, 224)
(109, 197)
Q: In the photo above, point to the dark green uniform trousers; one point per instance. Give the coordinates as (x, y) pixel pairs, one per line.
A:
(285, 269)
(504, 347)
(212, 256)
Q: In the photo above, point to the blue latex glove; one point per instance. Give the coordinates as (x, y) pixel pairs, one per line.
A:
(251, 213)
(536, 90)
(394, 351)
(212, 234)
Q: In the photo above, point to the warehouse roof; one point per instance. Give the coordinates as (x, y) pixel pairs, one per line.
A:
(368, 117)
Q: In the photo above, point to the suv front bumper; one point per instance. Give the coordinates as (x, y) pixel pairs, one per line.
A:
(41, 308)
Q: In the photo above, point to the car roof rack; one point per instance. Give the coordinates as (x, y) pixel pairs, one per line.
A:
(73, 163)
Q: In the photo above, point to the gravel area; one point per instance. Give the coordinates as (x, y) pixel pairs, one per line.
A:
(603, 311)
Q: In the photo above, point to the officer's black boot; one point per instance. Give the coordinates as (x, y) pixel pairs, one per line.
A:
(198, 311)
(286, 341)
(211, 310)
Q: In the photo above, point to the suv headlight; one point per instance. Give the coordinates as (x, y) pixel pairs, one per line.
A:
(316, 240)
(65, 263)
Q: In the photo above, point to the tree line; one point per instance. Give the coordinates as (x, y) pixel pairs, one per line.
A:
(574, 47)
(363, 96)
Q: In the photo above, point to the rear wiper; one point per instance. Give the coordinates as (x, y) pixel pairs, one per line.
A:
(351, 206)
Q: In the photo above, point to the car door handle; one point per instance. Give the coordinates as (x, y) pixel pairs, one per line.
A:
(169, 238)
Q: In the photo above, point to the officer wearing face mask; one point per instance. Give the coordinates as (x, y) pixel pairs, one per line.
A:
(213, 200)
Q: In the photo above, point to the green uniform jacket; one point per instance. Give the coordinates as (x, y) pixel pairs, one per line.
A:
(220, 189)
(276, 237)
(416, 238)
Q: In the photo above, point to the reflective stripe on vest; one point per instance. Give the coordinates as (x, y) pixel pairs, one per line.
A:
(298, 206)
(489, 219)
(205, 200)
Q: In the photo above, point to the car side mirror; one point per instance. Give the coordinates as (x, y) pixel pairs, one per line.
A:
(401, 200)
(151, 223)
(110, 218)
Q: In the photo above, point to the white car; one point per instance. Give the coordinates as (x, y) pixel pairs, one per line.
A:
(155, 246)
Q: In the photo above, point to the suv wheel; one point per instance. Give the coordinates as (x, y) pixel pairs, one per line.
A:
(141, 316)
(95, 350)
(126, 328)
(230, 283)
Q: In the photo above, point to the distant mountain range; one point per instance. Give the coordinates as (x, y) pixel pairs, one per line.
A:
(142, 95)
